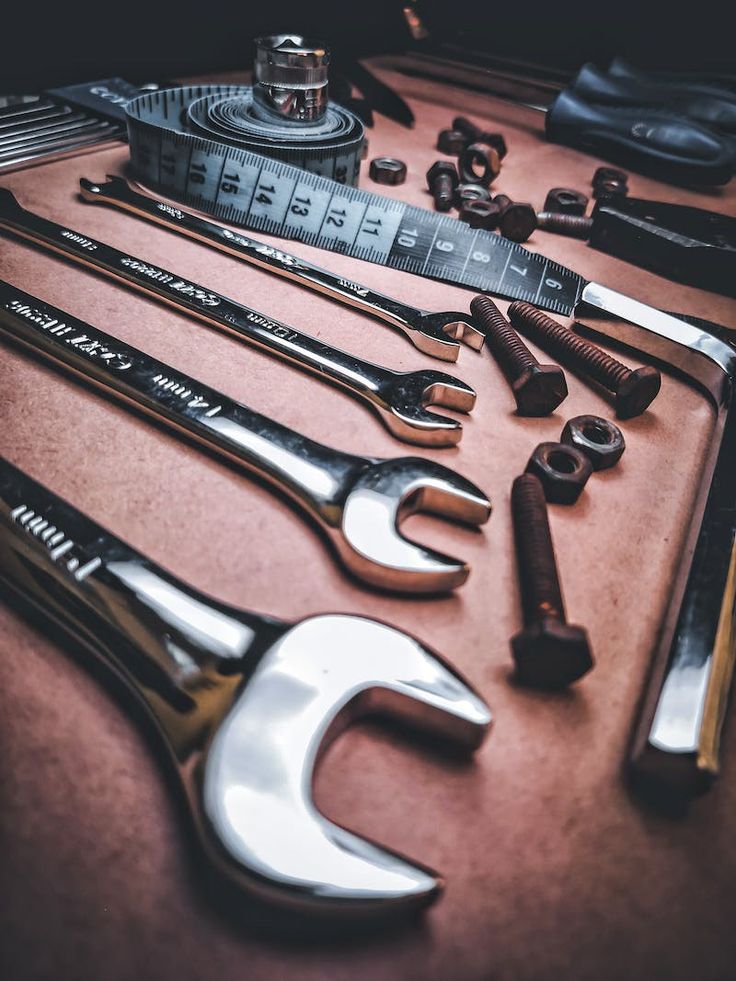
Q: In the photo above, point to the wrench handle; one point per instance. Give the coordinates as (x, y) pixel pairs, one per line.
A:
(118, 193)
(360, 377)
(313, 474)
(156, 632)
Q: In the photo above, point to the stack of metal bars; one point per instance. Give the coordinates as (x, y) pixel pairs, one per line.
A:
(37, 128)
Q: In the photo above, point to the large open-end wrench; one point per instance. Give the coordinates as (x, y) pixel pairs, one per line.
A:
(399, 398)
(677, 738)
(436, 334)
(357, 501)
(245, 703)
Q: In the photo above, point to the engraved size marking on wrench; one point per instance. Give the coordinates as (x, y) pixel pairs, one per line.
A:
(60, 329)
(55, 540)
(182, 392)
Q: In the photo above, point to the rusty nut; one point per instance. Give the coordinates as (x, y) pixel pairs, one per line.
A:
(451, 141)
(562, 469)
(471, 192)
(387, 170)
(610, 174)
(565, 201)
(480, 214)
(600, 440)
(479, 163)
(606, 190)
(474, 134)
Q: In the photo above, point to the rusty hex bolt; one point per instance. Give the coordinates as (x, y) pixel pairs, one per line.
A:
(442, 180)
(574, 226)
(548, 652)
(538, 388)
(634, 389)
(518, 220)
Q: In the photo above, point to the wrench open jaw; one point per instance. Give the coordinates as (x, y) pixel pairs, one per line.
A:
(436, 334)
(404, 398)
(246, 704)
(440, 334)
(371, 544)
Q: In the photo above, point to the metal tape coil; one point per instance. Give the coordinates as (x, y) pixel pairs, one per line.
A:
(225, 115)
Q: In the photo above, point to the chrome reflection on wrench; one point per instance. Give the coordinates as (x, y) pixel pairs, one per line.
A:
(357, 501)
(245, 703)
(436, 334)
(400, 398)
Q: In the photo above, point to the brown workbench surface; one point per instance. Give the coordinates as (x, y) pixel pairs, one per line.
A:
(553, 869)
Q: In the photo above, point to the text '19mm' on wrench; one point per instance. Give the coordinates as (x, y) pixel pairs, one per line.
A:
(245, 703)
(436, 334)
(358, 502)
(399, 398)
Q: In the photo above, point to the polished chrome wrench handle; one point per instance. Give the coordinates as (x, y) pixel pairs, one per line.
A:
(245, 703)
(436, 334)
(357, 501)
(399, 398)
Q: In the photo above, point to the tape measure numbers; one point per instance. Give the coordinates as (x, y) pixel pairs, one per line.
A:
(258, 192)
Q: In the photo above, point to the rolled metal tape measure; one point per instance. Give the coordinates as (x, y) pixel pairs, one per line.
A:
(227, 117)
(180, 147)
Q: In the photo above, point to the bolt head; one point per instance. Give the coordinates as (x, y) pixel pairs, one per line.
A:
(518, 221)
(550, 654)
(539, 390)
(442, 167)
(637, 391)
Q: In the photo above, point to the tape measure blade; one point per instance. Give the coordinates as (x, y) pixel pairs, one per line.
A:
(273, 196)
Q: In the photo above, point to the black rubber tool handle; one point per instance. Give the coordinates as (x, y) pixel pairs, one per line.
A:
(707, 110)
(662, 143)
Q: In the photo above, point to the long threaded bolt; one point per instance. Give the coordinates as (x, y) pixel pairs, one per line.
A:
(538, 388)
(548, 652)
(634, 389)
(575, 226)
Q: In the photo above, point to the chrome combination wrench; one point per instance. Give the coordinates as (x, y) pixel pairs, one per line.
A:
(399, 398)
(245, 703)
(358, 502)
(436, 334)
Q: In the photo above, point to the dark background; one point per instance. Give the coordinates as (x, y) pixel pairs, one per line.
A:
(153, 40)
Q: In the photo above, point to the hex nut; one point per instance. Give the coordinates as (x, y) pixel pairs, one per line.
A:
(451, 141)
(562, 469)
(387, 170)
(600, 440)
(471, 192)
(565, 201)
(479, 157)
(610, 189)
(480, 214)
(610, 174)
